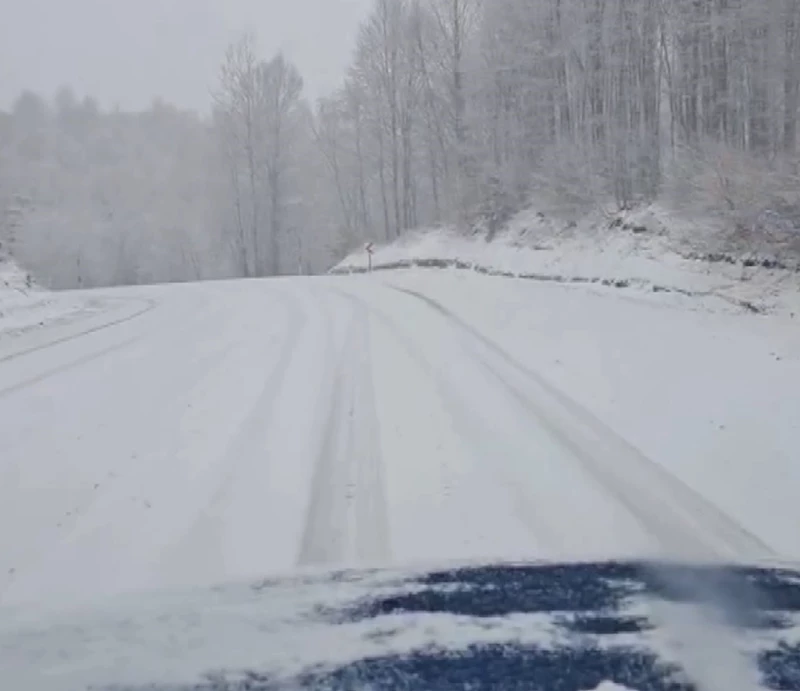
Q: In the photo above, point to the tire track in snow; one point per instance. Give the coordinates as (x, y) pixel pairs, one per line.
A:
(325, 534)
(204, 534)
(371, 521)
(678, 517)
(68, 527)
(543, 530)
(78, 362)
(97, 354)
(124, 481)
(347, 521)
(149, 305)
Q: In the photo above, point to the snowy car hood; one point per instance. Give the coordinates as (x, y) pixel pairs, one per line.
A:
(560, 627)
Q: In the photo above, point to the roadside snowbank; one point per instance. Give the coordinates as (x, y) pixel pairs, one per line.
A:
(13, 278)
(647, 250)
(24, 305)
(30, 315)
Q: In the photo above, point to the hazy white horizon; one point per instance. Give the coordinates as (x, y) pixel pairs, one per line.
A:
(129, 52)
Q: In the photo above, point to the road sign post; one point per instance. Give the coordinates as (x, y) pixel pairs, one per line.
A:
(369, 247)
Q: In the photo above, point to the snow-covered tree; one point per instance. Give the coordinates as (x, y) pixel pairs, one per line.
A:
(452, 111)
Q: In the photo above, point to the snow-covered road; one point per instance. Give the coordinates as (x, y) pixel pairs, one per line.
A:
(205, 433)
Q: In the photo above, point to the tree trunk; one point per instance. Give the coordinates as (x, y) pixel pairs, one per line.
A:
(791, 74)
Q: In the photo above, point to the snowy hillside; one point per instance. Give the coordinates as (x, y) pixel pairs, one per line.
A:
(649, 249)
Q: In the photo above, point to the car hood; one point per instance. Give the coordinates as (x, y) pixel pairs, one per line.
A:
(559, 627)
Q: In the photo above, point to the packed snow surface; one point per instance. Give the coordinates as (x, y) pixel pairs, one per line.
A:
(220, 431)
(182, 436)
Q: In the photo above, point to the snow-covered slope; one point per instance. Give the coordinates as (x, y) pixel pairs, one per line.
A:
(648, 249)
(32, 317)
(23, 304)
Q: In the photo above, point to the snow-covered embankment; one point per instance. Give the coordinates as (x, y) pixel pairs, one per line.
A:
(648, 250)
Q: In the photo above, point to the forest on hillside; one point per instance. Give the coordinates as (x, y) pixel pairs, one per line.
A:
(452, 112)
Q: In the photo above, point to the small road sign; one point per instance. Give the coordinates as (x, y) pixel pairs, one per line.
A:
(370, 248)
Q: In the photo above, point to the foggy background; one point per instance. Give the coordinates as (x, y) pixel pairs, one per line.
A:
(152, 141)
(127, 53)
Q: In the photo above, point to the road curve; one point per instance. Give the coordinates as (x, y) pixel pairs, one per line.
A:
(224, 431)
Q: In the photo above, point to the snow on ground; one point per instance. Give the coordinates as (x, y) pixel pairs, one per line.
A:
(706, 392)
(648, 250)
(509, 626)
(12, 277)
(665, 350)
(228, 430)
(27, 310)
(189, 435)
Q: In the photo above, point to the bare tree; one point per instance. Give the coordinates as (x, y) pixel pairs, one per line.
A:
(456, 21)
(240, 104)
(281, 86)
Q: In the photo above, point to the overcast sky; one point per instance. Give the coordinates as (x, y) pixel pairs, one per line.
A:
(127, 52)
